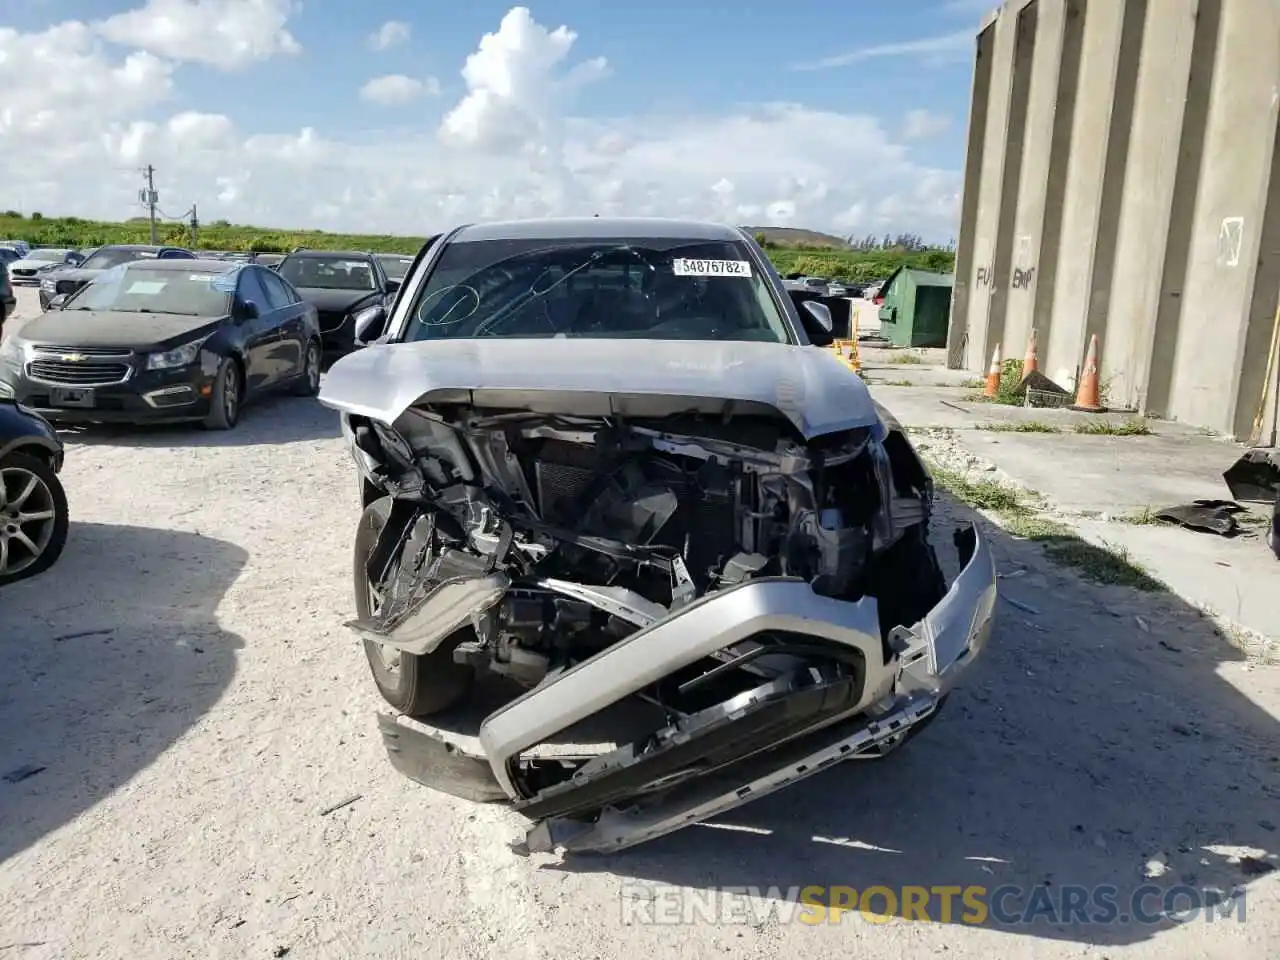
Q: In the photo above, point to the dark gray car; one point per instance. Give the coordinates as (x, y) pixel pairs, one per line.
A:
(65, 282)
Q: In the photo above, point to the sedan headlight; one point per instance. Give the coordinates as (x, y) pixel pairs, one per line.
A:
(182, 356)
(11, 349)
(49, 285)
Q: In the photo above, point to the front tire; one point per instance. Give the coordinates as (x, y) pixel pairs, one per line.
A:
(34, 519)
(225, 403)
(417, 686)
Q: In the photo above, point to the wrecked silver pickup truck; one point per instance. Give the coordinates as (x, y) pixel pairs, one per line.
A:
(609, 462)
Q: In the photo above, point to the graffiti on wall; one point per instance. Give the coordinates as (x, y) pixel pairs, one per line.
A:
(1022, 279)
(985, 278)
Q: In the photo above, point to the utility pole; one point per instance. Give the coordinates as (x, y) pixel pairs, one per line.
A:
(195, 227)
(150, 198)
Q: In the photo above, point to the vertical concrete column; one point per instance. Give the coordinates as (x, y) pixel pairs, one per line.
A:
(1033, 182)
(979, 100)
(1239, 141)
(990, 189)
(1147, 198)
(1082, 203)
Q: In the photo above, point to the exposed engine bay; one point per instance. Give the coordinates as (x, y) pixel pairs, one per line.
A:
(766, 597)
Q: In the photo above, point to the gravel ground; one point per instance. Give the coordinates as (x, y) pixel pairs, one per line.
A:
(183, 678)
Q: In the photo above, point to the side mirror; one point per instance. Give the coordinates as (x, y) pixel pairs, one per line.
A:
(57, 302)
(369, 325)
(816, 318)
(393, 285)
(248, 311)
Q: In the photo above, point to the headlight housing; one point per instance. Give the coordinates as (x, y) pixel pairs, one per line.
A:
(49, 285)
(182, 356)
(11, 349)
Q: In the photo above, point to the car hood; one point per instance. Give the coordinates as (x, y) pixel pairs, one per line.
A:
(76, 273)
(809, 386)
(333, 301)
(141, 332)
(33, 264)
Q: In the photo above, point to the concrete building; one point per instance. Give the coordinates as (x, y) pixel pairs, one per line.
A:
(1123, 180)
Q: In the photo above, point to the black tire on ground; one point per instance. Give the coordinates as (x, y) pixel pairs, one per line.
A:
(308, 385)
(420, 685)
(227, 398)
(57, 540)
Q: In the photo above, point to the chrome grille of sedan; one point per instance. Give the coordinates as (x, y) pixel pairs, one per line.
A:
(80, 366)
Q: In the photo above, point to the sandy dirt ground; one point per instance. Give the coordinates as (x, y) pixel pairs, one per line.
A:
(184, 681)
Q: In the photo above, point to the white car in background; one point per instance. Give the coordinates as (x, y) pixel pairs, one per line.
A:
(28, 270)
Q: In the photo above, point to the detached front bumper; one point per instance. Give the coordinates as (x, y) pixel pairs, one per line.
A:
(720, 758)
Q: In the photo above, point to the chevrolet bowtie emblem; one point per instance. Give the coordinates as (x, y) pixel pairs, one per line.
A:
(73, 357)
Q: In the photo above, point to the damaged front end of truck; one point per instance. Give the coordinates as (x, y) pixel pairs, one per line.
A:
(756, 587)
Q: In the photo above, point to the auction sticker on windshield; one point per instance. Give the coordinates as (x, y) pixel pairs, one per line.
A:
(683, 267)
(146, 287)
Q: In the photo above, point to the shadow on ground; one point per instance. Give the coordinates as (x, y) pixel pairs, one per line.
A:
(102, 674)
(270, 420)
(1094, 737)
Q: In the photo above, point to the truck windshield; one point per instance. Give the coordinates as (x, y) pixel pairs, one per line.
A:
(660, 289)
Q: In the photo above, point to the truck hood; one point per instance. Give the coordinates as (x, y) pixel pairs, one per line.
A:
(809, 386)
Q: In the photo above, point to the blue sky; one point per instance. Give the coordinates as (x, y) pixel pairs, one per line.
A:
(862, 60)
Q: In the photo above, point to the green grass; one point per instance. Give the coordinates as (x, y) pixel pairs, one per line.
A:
(1007, 393)
(1146, 517)
(1019, 426)
(975, 383)
(1133, 427)
(1019, 514)
(850, 265)
(906, 358)
(898, 383)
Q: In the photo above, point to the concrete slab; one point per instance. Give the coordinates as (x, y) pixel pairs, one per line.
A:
(1093, 481)
(1115, 475)
(1235, 578)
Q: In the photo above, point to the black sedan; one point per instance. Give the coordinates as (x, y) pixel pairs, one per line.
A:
(165, 341)
(33, 505)
(69, 279)
(340, 286)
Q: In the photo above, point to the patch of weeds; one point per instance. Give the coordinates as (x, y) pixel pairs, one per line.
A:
(1019, 426)
(906, 358)
(1007, 392)
(973, 383)
(1146, 517)
(1133, 427)
(1018, 515)
(898, 383)
(982, 494)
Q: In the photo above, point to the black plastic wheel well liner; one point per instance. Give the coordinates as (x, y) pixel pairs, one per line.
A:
(909, 474)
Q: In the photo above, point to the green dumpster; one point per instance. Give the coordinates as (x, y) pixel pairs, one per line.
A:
(917, 308)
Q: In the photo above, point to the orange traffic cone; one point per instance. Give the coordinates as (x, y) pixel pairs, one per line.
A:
(992, 387)
(1030, 364)
(1087, 398)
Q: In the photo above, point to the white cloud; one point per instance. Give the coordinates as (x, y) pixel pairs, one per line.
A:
(924, 124)
(390, 34)
(227, 34)
(947, 48)
(396, 89)
(511, 145)
(513, 82)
